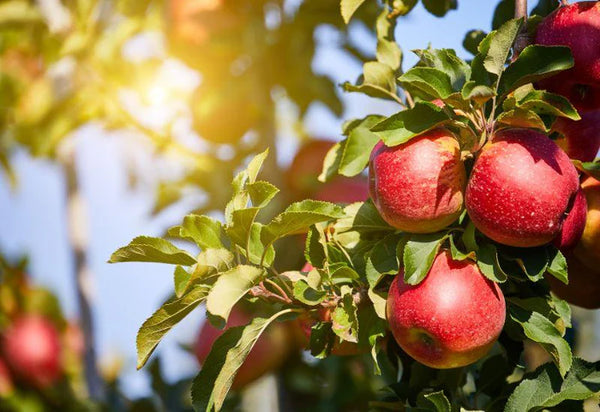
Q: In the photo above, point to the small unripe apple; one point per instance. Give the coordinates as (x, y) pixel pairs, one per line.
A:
(418, 186)
(588, 248)
(580, 139)
(268, 353)
(584, 284)
(574, 224)
(31, 347)
(577, 26)
(521, 188)
(451, 319)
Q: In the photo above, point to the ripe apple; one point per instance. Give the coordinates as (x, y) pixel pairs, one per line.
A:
(577, 26)
(580, 139)
(6, 385)
(268, 354)
(574, 224)
(584, 284)
(344, 190)
(31, 347)
(588, 248)
(418, 186)
(450, 319)
(302, 177)
(520, 189)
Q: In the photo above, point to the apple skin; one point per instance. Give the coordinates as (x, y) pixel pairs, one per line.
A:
(581, 139)
(574, 224)
(588, 248)
(418, 186)
(520, 188)
(31, 347)
(268, 354)
(584, 284)
(577, 26)
(450, 319)
(344, 190)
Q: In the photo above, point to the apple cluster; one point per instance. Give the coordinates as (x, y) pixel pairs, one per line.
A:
(522, 191)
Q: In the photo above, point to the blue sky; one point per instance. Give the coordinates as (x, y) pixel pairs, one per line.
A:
(33, 215)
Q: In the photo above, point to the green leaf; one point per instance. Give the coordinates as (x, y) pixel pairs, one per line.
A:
(545, 388)
(202, 230)
(427, 83)
(469, 239)
(349, 7)
(542, 102)
(152, 249)
(558, 266)
(419, 253)
(439, 8)
(487, 261)
(532, 261)
(211, 385)
(261, 193)
(439, 401)
(163, 320)
(257, 248)
(589, 168)
(181, 279)
(446, 61)
(321, 339)
(229, 288)
(478, 92)
(534, 63)
(344, 317)
(388, 52)
(403, 126)
(540, 329)
(472, 40)
(299, 216)
(458, 254)
(332, 160)
(379, 80)
(498, 48)
(211, 262)
(358, 147)
(522, 118)
(308, 295)
(361, 217)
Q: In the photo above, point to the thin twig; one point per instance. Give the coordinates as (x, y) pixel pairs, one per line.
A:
(279, 289)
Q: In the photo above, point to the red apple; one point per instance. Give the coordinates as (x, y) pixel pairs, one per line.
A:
(344, 190)
(6, 384)
(301, 176)
(268, 354)
(520, 189)
(580, 139)
(31, 347)
(450, 319)
(588, 248)
(418, 186)
(584, 284)
(574, 224)
(577, 26)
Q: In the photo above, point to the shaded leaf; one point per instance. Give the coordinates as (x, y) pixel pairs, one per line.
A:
(419, 253)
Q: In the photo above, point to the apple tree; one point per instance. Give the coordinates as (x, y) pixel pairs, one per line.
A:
(451, 274)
